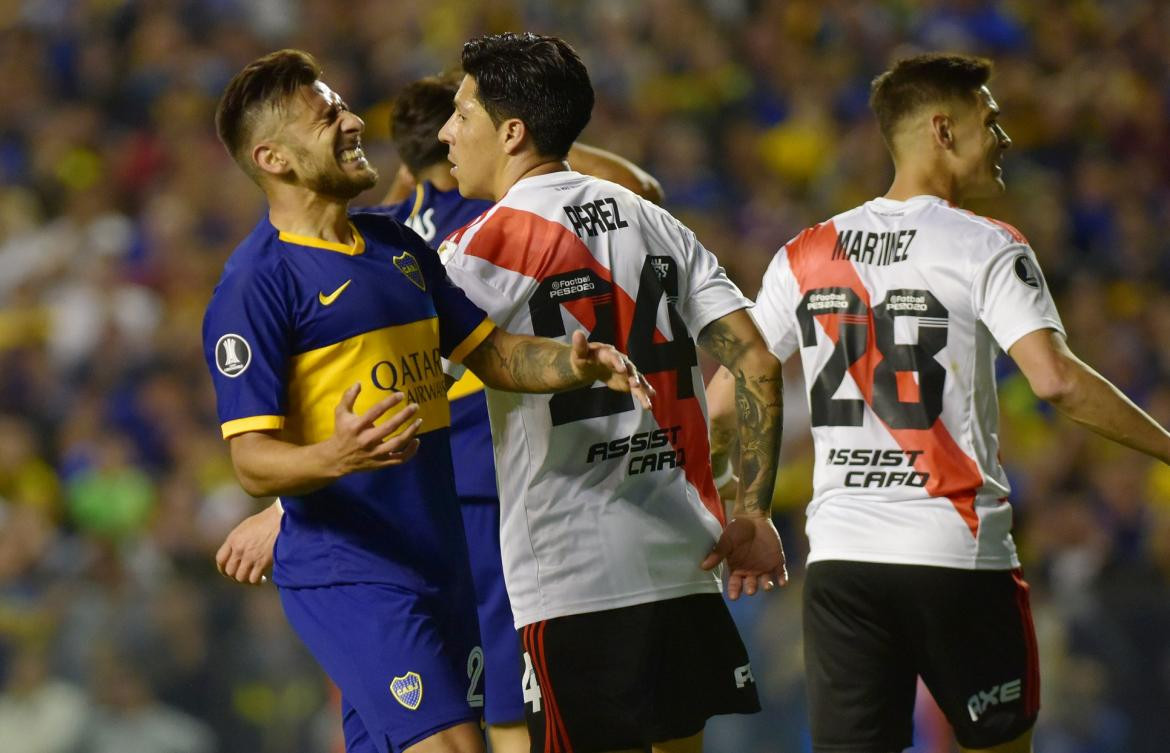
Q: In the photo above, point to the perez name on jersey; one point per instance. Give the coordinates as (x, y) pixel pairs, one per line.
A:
(597, 216)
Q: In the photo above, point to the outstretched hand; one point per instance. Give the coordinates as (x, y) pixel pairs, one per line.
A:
(755, 557)
(361, 445)
(605, 363)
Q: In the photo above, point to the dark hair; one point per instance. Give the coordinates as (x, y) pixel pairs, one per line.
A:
(265, 83)
(535, 78)
(924, 79)
(419, 111)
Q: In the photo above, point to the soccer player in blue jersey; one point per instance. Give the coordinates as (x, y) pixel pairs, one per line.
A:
(324, 339)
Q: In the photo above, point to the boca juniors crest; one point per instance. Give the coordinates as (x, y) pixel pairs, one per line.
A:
(408, 265)
(407, 690)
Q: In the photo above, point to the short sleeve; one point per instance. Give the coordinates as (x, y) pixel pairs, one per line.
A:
(462, 324)
(1011, 297)
(775, 309)
(708, 292)
(246, 343)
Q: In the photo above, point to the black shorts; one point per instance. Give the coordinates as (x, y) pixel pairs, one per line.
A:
(630, 677)
(870, 629)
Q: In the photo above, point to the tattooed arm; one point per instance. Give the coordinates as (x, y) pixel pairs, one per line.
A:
(521, 363)
(721, 417)
(734, 342)
(750, 375)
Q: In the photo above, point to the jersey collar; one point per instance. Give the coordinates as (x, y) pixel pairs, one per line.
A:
(357, 247)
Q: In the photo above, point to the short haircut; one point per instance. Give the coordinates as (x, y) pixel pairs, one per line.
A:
(538, 79)
(264, 84)
(419, 111)
(921, 80)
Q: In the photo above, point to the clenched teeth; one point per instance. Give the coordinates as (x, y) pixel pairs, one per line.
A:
(351, 155)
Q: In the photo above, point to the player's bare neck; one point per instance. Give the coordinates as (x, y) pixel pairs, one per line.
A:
(528, 168)
(311, 215)
(910, 182)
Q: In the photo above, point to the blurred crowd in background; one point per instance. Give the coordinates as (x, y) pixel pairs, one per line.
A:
(118, 208)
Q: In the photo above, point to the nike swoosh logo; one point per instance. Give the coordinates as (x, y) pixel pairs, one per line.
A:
(326, 300)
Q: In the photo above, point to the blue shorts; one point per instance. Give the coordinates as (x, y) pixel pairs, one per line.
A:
(504, 701)
(404, 661)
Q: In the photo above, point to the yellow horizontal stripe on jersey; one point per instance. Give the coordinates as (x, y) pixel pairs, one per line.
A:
(357, 247)
(403, 358)
(468, 384)
(472, 341)
(251, 423)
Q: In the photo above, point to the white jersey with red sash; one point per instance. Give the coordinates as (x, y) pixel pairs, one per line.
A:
(899, 309)
(604, 505)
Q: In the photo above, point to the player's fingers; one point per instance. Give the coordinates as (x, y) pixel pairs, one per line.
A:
(398, 457)
(749, 585)
(379, 408)
(221, 556)
(734, 586)
(403, 453)
(348, 398)
(641, 389)
(766, 582)
(379, 439)
(614, 359)
(409, 451)
(718, 552)
(580, 344)
(256, 573)
(232, 565)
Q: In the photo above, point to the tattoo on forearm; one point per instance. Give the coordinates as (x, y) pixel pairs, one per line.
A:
(722, 440)
(524, 364)
(718, 339)
(759, 405)
(540, 366)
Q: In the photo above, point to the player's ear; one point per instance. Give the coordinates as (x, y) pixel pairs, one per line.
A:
(942, 129)
(269, 158)
(513, 133)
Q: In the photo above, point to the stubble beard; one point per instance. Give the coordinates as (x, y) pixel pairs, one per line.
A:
(342, 185)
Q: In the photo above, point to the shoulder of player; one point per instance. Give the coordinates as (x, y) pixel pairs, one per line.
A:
(259, 256)
(377, 219)
(815, 236)
(984, 231)
(379, 228)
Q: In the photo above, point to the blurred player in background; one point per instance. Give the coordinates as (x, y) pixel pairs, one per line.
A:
(434, 211)
(607, 512)
(316, 307)
(899, 308)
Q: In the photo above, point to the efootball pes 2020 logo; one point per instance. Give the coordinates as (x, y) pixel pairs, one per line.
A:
(407, 690)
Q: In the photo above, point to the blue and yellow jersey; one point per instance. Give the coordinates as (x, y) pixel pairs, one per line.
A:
(293, 323)
(434, 215)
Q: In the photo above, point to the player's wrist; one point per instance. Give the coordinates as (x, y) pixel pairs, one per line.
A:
(328, 460)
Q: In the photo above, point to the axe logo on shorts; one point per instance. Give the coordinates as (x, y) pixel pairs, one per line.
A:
(978, 704)
(407, 690)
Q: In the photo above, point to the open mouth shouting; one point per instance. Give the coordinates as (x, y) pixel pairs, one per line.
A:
(352, 155)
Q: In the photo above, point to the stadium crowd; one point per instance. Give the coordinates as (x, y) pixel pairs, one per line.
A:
(118, 207)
